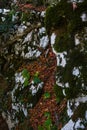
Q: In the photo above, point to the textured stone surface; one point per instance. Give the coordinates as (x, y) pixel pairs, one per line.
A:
(3, 124)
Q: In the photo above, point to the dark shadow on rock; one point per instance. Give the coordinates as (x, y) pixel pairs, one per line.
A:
(3, 124)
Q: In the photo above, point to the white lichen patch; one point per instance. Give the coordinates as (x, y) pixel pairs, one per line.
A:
(21, 29)
(67, 85)
(84, 17)
(61, 60)
(73, 125)
(42, 30)
(34, 88)
(64, 93)
(53, 37)
(68, 126)
(5, 11)
(76, 71)
(3, 19)
(61, 57)
(10, 123)
(19, 78)
(86, 115)
(32, 53)
(69, 110)
(77, 39)
(82, 98)
(28, 38)
(44, 41)
(1, 10)
(59, 83)
(43, 14)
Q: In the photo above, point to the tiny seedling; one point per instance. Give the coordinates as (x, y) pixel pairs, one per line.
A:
(36, 78)
(46, 95)
(26, 76)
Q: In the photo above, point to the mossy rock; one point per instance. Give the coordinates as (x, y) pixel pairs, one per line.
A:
(55, 16)
(64, 118)
(71, 92)
(62, 13)
(59, 93)
(80, 111)
(63, 43)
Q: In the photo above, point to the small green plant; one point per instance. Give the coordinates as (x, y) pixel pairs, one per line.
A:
(46, 95)
(36, 78)
(40, 127)
(26, 82)
(47, 125)
(26, 75)
(47, 114)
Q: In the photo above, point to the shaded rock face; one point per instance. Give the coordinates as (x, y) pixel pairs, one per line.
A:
(3, 86)
(3, 124)
(4, 3)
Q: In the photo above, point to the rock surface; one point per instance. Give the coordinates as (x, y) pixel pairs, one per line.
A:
(3, 124)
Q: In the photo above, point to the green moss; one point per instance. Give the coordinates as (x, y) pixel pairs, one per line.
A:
(46, 95)
(82, 7)
(58, 92)
(55, 16)
(71, 92)
(62, 13)
(63, 43)
(75, 24)
(80, 111)
(73, 56)
(64, 117)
